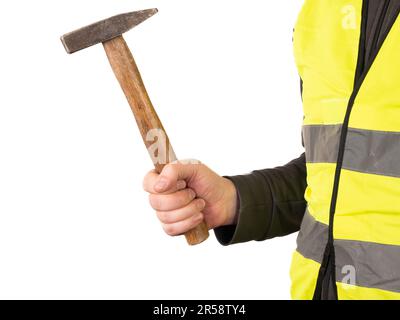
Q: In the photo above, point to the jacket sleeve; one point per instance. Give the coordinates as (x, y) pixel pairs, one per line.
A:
(271, 204)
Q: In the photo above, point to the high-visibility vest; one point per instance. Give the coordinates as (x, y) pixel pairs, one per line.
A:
(349, 242)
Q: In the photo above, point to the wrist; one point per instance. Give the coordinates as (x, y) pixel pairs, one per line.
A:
(232, 203)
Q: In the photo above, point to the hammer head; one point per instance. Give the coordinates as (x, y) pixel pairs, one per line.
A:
(104, 30)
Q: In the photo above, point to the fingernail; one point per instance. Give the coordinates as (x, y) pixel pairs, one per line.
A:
(201, 204)
(192, 193)
(181, 185)
(161, 184)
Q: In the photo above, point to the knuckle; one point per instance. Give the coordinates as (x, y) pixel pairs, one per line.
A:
(169, 169)
(167, 217)
(155, 201)
(145, 183)
(169, 229)
(163, 216)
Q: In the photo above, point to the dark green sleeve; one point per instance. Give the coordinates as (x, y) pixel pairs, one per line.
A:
(271, 204)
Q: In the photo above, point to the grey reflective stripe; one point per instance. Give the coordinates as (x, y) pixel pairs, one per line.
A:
(367, 151)
(312, 238)
(375, 265)
(322, 143)
(373, 152)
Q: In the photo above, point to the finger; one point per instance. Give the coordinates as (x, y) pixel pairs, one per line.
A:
(184, 226)
(172, 201)
(171, 217)
(151, 179)
(174, 172)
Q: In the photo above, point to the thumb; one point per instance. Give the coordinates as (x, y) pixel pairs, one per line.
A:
(174, 172)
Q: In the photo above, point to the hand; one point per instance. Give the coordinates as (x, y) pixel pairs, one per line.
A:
(184, 195)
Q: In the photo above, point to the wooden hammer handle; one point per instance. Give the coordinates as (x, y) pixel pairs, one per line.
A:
(150, 126)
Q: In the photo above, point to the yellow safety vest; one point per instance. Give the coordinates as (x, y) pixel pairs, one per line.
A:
(352, 137)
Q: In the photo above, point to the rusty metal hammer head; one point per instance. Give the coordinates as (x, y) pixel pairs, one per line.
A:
(104, 30)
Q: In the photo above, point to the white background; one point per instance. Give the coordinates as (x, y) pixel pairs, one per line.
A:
(74, 221)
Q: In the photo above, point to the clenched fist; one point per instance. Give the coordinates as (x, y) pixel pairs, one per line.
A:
(184, 195)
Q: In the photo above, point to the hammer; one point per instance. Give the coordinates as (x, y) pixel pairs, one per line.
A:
(109, 33)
